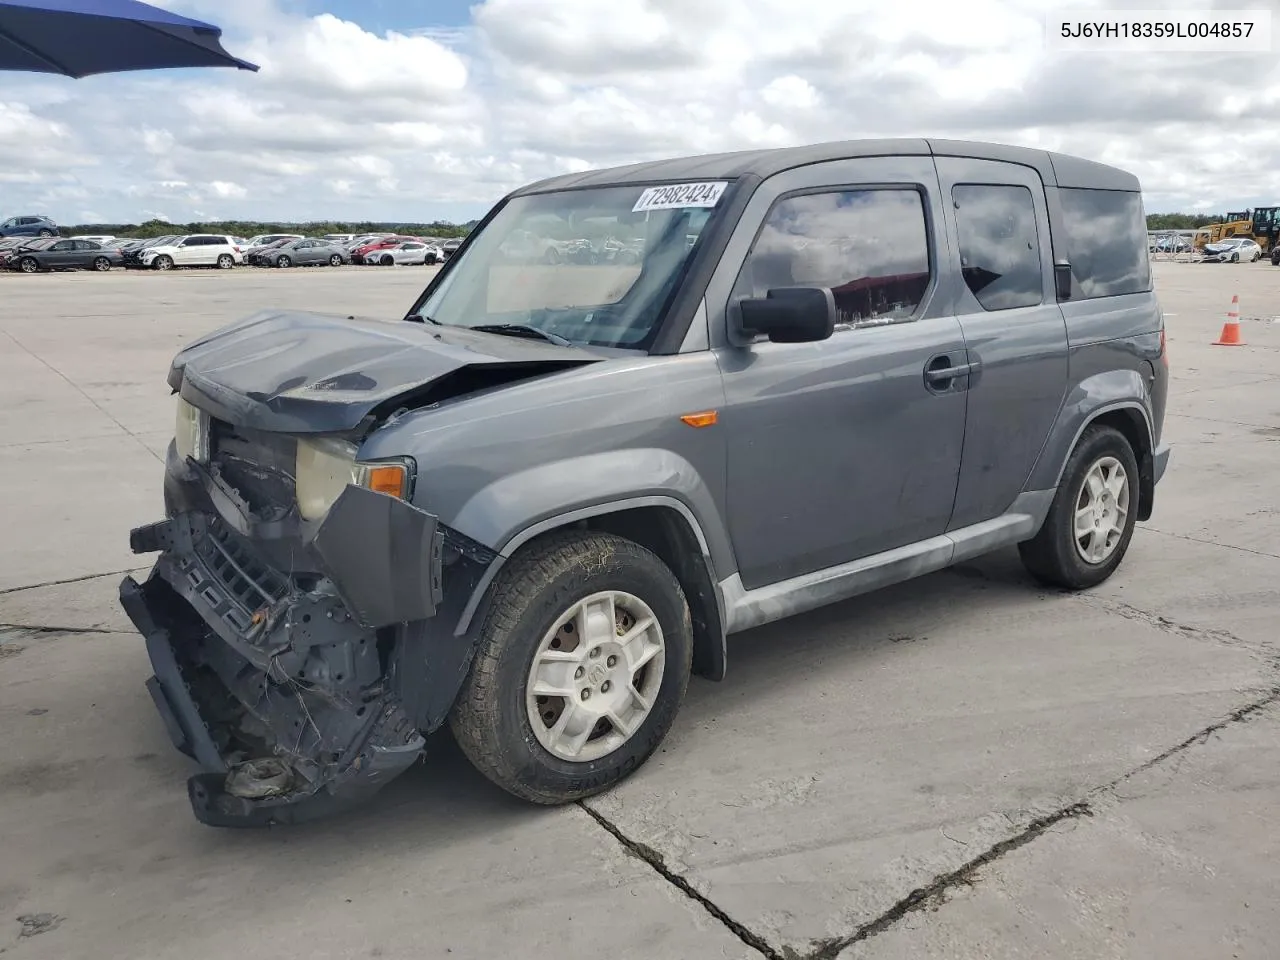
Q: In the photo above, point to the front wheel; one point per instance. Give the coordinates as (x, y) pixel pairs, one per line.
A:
(162, 262)
(283, 262)
(1091, 521)
(584, 656)
(27, 265)
(387, 261)
(102, 264)
(335, 261)
(46, 233)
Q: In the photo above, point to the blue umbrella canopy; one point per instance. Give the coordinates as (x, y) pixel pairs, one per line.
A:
(79, 38)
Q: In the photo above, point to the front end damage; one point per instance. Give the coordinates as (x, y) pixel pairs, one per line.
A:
(275, 642)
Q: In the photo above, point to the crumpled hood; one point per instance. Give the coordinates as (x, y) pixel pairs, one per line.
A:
(298, 372)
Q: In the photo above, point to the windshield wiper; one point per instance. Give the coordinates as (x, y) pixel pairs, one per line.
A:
(523, 330)
(423, 318)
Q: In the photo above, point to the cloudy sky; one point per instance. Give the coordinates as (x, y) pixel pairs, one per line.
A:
(411, 110)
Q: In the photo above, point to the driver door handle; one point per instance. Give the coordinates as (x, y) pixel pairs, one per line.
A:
(941, 372)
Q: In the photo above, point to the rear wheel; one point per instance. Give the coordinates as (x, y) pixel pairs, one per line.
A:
(102, 264)
(226, 261)
(1091, 521)
(584, 658)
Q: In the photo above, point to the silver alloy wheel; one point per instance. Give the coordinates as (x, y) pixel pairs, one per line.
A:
(1102, 508)
(595, 676)
(29, 266)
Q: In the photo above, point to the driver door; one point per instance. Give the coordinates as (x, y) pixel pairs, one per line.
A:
(849, 447)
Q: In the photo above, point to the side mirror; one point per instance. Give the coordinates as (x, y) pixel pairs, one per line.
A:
(1062, 280)
(791, 314)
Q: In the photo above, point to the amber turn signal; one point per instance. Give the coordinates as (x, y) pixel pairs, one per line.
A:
(705, 418)
(388, 478)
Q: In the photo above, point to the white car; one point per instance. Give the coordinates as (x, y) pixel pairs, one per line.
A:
(409, 252)
(196, 250)
(1233, 250)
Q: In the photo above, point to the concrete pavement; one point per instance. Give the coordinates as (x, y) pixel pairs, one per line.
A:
(965, 766)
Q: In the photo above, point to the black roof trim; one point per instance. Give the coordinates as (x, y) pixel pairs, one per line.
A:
(1054, 168)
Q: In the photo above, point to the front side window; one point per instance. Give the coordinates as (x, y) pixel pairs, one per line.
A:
(595, 266)
(1106, 242)
(999, 245)
(870, 246)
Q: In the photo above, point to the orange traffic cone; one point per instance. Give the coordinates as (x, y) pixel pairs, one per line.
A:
(1230, 336)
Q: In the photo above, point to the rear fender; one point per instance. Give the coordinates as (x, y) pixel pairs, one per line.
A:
(1110, 392)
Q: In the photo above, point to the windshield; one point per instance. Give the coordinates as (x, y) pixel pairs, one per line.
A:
(595, 266)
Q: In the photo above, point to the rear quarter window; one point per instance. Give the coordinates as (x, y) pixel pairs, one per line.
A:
(1106, 235)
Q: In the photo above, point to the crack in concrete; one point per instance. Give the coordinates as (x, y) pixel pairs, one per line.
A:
(35, 629)
(935, 890)
(1213, 543)
(655, 860)
(58, 583)
(1119, 608)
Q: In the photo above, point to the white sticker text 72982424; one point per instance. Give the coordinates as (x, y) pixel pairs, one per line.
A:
(676, 195)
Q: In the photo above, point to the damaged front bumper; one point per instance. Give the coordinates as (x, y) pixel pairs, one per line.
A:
(280, 685)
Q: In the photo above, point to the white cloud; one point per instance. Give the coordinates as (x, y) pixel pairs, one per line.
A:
(344, 122)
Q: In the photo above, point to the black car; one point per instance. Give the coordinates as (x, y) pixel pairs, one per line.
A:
(54, 254)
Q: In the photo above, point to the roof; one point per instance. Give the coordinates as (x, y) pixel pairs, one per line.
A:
(1054, 168)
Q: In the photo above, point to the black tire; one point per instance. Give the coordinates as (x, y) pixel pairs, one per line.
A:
(226, 261)
(283, 261)
(335, 261)
(46, 233)
(490, 721)
(28, 265)
(1052, 556)
(387, 260)
(162, 262)
(102, 264)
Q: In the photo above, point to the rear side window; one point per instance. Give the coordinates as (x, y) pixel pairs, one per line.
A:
(1106, 242)
(871, 247)
(999, 245)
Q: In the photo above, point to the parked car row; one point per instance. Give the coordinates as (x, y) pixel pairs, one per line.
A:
(35, 254)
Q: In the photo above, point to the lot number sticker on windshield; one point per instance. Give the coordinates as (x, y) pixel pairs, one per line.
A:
(678, 195)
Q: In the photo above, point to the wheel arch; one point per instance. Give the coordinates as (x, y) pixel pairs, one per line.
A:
(664, 525)
(1131, 419)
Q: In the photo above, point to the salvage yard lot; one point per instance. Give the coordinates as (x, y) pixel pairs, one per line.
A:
(965, 766)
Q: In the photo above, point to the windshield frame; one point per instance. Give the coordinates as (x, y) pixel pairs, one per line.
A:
(675, 316)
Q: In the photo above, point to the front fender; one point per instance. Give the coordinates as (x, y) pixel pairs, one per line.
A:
(1087, 400)
(500, 513)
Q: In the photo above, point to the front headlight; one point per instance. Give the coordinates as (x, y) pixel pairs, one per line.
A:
(191, 432)
(323, 469)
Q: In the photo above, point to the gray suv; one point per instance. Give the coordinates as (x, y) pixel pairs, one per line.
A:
(537, 503)
(28, 227)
